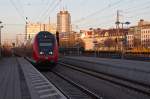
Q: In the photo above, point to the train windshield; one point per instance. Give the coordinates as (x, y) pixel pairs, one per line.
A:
(46, 43)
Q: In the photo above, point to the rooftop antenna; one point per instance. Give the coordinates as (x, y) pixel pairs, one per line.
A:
(63, 8)
(61, 4)
(66, 8)
(118, 21)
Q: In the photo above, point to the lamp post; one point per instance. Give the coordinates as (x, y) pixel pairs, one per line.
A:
(95, 42)
(26, 26)
(124, 40)
(117, 27)
(0, 38)
(78, 47)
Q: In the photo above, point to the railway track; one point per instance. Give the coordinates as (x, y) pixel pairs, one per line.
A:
(129, 84)
(69, 88)
(74, 90)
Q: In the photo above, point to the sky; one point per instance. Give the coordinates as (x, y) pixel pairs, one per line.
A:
(84, 13)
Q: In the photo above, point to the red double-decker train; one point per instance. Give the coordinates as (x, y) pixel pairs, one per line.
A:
(42, 49)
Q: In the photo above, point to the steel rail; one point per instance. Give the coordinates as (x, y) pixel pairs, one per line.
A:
(82, 88)
(139, 87)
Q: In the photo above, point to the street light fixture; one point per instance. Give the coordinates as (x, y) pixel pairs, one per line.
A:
(1, 26)
(124, 35)
(117, 22)
(127, 23)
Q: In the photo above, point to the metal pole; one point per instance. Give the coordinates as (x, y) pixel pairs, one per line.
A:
(122, 57)
(95, 52)
(94, 41)
(124, 40)
(26, 29)
(78, 49)
(16, 40)
(117, 25)
(0, 39)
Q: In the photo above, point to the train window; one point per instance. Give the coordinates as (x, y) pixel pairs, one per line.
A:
(45, 44)
(44, 35)
(46, 40)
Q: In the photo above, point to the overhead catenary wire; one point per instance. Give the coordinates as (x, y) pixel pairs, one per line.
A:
(98, 11)
(97, 19)
(95, 13)
(142, 8)
(45, 11)
(98, 24)
(21, 6)
(20, 14)
(100, 17)
(44, 16)
(55, 6)
(83, 2)
(14, 24)
(138, 10)
(138, 13)
(111, 5)
(139, 6)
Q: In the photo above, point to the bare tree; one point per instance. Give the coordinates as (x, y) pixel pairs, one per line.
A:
(109, 43)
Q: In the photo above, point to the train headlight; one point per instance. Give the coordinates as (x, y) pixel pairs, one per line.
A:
(50, 53)
(41, 53)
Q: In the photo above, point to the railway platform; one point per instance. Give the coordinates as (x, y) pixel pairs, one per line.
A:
(20, 80)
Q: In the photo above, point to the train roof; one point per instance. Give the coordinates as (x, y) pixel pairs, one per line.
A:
(45, 34)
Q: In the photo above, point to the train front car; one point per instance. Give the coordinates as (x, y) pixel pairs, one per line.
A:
(45, 49)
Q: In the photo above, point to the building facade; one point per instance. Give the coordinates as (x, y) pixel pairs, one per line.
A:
(140, 35)
(33, 28)
(145, 36)
(104, 39)
(63, 22)
(130, 41)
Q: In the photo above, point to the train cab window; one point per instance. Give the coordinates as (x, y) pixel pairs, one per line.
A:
(45, 44)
